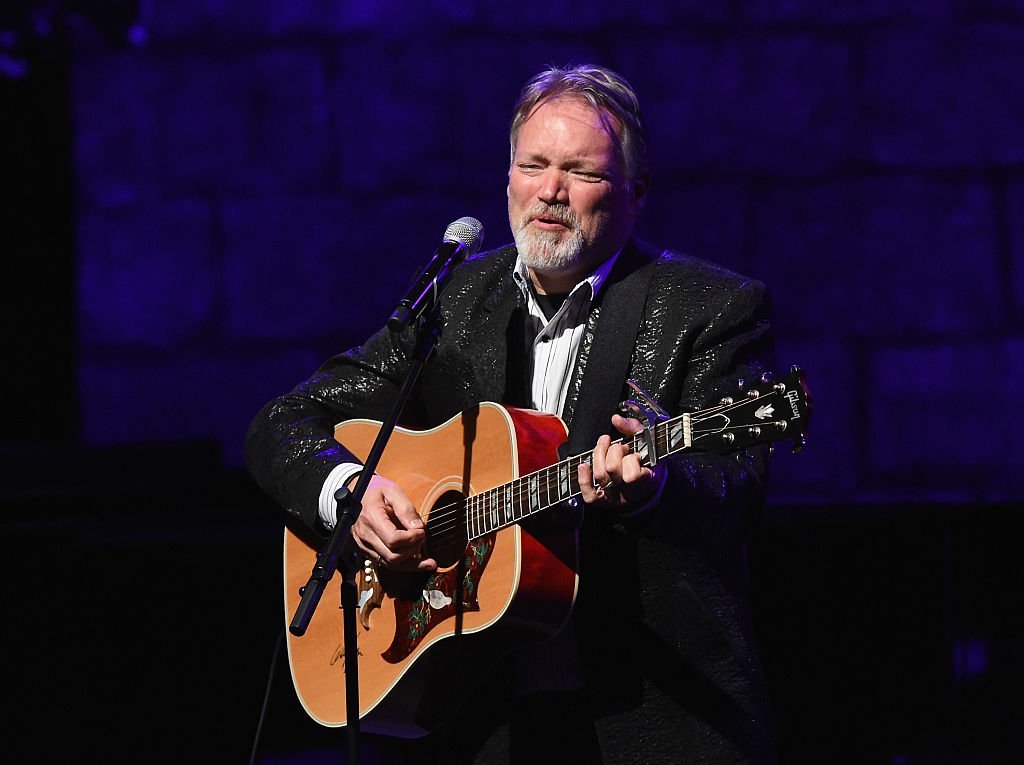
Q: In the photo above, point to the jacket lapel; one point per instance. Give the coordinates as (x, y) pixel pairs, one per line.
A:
(603, 364)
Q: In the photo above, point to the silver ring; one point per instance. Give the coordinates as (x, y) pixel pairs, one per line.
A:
(609, 485)
(380, 561)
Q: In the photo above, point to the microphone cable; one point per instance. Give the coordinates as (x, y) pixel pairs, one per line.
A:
(266, 698)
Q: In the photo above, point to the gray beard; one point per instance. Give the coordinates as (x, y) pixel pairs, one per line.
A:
(548, 251)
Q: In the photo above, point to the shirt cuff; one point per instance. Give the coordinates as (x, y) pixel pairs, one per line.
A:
(335, 480)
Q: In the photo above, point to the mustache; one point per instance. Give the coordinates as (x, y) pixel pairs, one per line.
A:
(560, 213)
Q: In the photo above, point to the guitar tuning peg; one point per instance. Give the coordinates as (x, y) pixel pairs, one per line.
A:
(766, 377)
(741, 383)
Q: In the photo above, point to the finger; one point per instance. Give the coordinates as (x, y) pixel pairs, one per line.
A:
(367, 540)
(416, 561)
(588, 490)
(592, 494)
(633, 471)
(613, 462)
(396, 524)
(402, 509)
(626, 425)
(423, 564)
(599, 459)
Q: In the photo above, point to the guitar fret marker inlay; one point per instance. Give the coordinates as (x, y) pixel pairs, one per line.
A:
(534, 492)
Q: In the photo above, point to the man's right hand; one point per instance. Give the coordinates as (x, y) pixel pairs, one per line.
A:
(389, 530)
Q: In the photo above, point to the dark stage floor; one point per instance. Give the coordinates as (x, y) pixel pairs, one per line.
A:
(143, 602)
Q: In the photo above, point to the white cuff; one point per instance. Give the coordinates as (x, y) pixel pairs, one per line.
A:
(335, 480)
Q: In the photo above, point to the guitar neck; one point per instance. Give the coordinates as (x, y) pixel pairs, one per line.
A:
(766, 411)
(528, 495)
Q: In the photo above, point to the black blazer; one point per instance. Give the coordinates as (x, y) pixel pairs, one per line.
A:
(662, 613)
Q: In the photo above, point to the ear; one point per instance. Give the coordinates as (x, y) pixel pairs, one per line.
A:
(639, 188)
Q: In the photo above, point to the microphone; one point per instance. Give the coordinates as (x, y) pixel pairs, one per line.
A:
(462, 238)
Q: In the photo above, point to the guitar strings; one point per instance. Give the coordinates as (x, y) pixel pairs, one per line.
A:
(485, 507)
(455, 518)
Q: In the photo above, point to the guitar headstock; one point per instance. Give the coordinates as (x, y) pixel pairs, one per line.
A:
(763, 411)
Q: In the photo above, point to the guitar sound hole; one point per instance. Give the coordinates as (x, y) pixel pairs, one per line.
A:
(446, 529)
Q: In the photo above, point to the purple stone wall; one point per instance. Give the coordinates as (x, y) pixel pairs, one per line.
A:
(254, 161)
(251, 184)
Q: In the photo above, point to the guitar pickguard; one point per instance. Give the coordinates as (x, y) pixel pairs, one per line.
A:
(445, 595)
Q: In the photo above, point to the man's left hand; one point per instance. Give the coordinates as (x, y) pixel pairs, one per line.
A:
(615, 477)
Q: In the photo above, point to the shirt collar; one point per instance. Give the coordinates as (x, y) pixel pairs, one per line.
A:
(596, 280)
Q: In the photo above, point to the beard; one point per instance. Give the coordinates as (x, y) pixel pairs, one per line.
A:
(549, 251)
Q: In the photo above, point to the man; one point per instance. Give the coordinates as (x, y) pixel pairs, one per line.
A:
(658, 662)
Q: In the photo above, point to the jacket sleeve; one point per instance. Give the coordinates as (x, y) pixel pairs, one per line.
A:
(711, 499)
(290, 447)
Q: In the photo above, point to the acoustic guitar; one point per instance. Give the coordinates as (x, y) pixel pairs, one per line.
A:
(483, 482)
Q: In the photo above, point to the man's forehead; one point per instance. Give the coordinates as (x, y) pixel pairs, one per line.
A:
(600, 116)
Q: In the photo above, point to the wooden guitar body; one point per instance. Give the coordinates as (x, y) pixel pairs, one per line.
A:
(425, 640)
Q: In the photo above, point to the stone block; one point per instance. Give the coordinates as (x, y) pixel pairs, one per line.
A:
(944, 96)
(626, 21)
(881, 256)
(1002, 9)
(708, 220)
(147, 277)
(432, 119)
(318, 268)
(779, 103)
(146, 123)
(1015, 223)
(245, 120)
(246, 20)
(192, 395)
(940, 419)
(846, 11)
(116, 107)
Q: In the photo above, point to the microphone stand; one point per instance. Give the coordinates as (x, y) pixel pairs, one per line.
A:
(341, 549)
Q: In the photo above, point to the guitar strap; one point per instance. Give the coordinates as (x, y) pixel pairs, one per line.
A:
(614, 341)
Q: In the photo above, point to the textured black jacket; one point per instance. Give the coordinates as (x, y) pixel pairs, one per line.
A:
(662, 613)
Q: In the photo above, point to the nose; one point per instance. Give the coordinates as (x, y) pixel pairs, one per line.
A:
(552, 188)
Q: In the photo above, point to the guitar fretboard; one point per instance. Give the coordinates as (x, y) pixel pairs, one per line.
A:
(762, 415)
(528, 495)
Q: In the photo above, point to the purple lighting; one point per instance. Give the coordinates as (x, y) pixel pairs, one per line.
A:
(970, 658)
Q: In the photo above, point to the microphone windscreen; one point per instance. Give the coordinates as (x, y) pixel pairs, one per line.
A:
(466, 231)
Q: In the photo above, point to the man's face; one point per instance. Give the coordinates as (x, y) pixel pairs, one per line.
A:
(570, 203)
